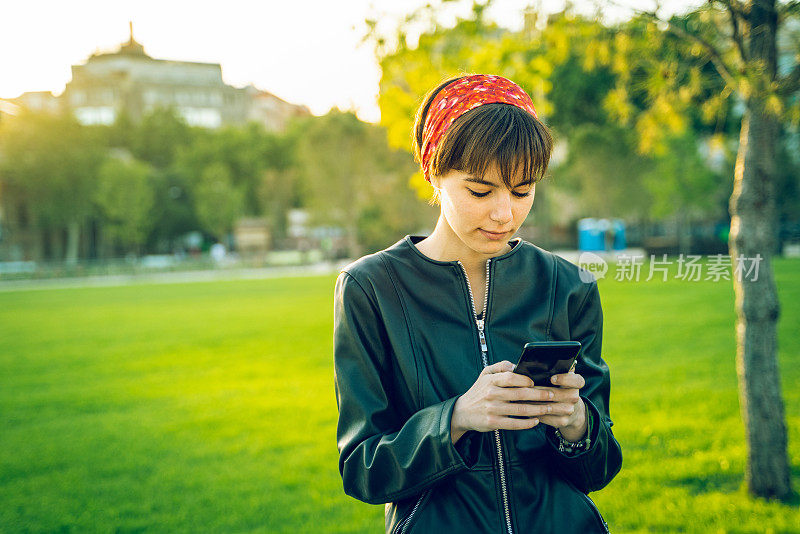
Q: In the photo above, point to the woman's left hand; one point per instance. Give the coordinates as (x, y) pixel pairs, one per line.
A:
(568, 412)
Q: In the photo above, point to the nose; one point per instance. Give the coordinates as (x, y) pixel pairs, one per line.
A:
(501, 209)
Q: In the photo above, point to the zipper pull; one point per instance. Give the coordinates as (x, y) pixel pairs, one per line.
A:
(481, 335)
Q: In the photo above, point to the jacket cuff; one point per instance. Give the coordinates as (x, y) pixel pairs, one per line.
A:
(593, 423)
(594, 468)
(465, 452)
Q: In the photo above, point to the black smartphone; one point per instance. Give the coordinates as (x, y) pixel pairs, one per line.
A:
(542, 359)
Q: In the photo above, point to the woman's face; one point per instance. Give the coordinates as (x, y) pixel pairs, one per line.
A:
(482, 212)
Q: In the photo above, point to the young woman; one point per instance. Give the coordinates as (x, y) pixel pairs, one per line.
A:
(425, 333)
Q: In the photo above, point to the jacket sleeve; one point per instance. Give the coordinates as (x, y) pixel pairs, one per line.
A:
(594, 468)
(382, 457)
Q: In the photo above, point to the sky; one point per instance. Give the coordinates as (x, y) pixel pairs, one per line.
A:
(304, 51)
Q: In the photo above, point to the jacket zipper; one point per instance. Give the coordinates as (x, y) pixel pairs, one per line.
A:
(592, 505)
(401, 527)
(596, 511)
(481, 323)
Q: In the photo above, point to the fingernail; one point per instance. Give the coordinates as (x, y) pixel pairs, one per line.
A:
(535, 421)
(554, 380)
(550, 394)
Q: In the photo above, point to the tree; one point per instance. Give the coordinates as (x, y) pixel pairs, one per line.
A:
(604, 171)
(217, 201)
(352, 179)
(682, 186)
(277, 194)
(158, 137)
(124, 196)
(50, 164)
(737, 41)
(173, 211)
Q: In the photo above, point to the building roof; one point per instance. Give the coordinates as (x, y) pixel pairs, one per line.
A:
(131, 48)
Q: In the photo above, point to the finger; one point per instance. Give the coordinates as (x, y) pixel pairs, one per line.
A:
(528, 410)
(499, 367)
(569, 395)
(556, 421)
(568, 380)
(526, 394)
(559, 409)
(510, 423)
(511, 380)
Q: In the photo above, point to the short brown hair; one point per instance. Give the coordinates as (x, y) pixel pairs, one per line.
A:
(502, 134)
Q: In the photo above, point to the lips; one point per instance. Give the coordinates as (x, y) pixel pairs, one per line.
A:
(493, 235)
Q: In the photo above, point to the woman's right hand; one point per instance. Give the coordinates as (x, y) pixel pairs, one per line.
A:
(488, 403)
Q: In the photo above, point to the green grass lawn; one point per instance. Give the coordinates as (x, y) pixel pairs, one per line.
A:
(209, 407)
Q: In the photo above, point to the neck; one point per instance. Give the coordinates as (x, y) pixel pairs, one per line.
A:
(444, 245)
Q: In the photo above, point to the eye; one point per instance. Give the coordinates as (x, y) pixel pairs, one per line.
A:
(476, 194)
(521, 195)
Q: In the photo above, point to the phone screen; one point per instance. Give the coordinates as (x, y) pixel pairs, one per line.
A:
(542, 359)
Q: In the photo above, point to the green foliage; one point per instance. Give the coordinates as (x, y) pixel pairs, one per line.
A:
(217, 200)
(351, 178)
(277, 193)
(681, 182)
(124, 196)
(604, 171)
(159, 136)
(165, 179)
(245, 151)
(577, 95)
(173, 212)
(155, 407)
(50, 164)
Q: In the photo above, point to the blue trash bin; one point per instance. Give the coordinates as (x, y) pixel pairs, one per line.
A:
(618, 226)
(591, 237)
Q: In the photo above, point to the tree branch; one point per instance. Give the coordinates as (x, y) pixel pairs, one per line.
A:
(734, 5)
(735, 14)
(788, 9)
(790, 83)
(713, 53)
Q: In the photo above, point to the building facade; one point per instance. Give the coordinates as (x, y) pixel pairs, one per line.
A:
(130, 81)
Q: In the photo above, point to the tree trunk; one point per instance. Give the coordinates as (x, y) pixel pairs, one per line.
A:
(684, 232)
(753, 234)
(56, 244)
(353, 246)
(73, 240)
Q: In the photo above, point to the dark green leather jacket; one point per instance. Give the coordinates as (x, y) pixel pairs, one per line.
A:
(407, 344)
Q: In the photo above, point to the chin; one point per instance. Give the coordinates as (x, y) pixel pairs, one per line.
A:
(489, 247)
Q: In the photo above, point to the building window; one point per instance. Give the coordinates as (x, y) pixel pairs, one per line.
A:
(95, 115)
(205, 117)
(77, 98)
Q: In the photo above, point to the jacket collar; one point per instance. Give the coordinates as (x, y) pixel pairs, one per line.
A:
(410, 242)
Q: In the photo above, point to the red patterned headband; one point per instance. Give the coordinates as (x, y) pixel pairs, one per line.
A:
(461, 96)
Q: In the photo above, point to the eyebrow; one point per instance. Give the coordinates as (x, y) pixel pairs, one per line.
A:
(492, 184)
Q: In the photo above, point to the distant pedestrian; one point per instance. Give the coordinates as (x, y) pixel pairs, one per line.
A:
(217, 252)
